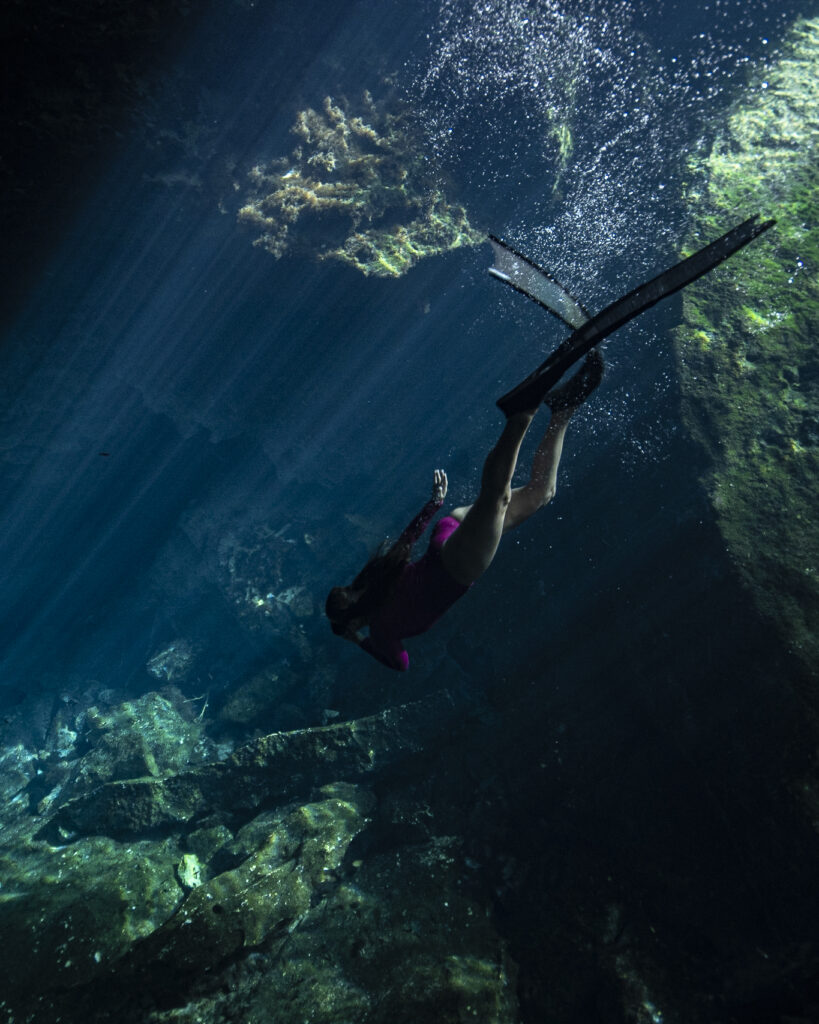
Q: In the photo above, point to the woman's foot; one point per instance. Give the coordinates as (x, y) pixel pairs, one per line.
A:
(574, 392)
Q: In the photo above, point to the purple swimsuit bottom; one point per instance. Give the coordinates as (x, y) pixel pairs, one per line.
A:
(424, 592)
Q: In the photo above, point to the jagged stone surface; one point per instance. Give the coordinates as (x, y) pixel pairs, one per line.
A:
(399, 939)
(273, 768)
(747, 348)
(128, 920)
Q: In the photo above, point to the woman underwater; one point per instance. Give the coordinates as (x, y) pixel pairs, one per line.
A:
(395, 597)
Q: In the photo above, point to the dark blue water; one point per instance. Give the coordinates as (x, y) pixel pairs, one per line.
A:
(171, 390)
(217, 378)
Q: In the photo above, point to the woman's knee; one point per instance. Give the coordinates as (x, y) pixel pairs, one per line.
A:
(539, 492)
(526, 501)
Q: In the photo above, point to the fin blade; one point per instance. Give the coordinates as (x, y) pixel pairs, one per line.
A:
(519, 272)
(619, 312)
(646, 295)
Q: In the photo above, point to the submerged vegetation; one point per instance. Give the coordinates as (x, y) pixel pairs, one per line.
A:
(747, 349)
(358, 189)
(151, 870)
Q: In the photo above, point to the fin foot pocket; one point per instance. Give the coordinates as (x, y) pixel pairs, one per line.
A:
(574, 392)
(531, 392)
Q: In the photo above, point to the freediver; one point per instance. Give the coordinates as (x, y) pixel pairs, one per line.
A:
(395, 597)
(398, 598)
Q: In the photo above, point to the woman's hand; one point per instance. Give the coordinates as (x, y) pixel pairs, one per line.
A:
(439, 486)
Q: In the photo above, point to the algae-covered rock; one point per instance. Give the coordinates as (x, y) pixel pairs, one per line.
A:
(748, 356)
(67, 913)
(270, 889)
(189, 871)
(172, 662)
(17, 768)
(203, 843)
(358, 188)
(235, 893)
(147, 736)
(399, 941)
(271, 769)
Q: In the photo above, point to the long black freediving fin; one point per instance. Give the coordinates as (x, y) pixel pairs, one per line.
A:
(530, 392)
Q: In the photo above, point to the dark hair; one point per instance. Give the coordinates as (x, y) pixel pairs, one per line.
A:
(376, 582)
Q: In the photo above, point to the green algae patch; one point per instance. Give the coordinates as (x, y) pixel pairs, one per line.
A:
(262, 887)
(143, 737)
(272, 768)
(67, 913)
(357, 188)
(747, 348)
(399, 938)
(268, 892)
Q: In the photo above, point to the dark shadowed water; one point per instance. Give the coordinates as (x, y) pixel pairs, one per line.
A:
(170, 390)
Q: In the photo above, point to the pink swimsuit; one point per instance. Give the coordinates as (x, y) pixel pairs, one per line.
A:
(423, 593)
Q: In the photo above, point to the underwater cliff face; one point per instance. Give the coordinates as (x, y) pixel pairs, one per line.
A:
(747, 349)
(579, 804)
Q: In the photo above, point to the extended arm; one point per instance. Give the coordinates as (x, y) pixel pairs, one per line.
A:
(416, 528)
(388, 649)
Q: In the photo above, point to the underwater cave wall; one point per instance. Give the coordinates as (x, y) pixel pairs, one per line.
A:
(747, 350)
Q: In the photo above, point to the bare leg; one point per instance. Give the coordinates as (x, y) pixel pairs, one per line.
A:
(469, 551)
(542, 484)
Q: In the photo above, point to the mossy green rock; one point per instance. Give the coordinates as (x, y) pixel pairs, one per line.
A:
(747, 349)
(67, 913)
(269, 770)
(270, 889)
(237, 895)
(401, 941)
(72, 915)
(147, 736)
